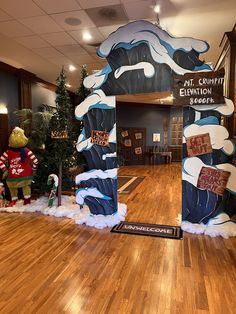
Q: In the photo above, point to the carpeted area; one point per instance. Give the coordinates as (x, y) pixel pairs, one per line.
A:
(127, 184)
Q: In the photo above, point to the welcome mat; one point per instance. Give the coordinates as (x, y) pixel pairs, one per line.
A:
(163, 231)
(126, 184)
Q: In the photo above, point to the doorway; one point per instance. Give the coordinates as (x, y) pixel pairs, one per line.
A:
(149, 140)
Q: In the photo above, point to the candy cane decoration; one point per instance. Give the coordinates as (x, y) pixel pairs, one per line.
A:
(53, 182)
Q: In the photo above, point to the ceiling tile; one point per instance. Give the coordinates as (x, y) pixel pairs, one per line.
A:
(55, 6)
(97, 37)
(20, 9)
(59, 39)
(48, 52)
(72, 50)
(109, 15)
(107, 30)
(89, 49)
(139, 10)
(103, 62)
(14, 29)
(83, 59)
(87, 4)
(61, 61)
(83, 20)
(127, 1)
(4, 16)
(32, 42)
(41, 24)
(93, 67)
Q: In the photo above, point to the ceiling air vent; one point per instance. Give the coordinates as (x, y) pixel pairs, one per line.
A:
(108, 13)
(73, 21)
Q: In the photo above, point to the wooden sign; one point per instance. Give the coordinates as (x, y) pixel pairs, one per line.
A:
(138, 150)
(59, 135)
(100, 138)
(213, 180)
(198, 145)
(201, 88)
(127, 143)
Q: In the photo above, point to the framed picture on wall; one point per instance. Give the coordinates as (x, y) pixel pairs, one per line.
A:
(124, 133)
(127, 143)
(138, 136)
(138, 150)
(156, 137)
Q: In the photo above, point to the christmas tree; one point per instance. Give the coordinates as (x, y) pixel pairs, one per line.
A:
(53, 138)
(35, 125)
(61, 133)
(59, 154)
(82, 91)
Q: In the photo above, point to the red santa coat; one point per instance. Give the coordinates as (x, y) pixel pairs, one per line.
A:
(18, 170)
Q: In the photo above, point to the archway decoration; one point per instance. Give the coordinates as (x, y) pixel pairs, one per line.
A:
(144, 58)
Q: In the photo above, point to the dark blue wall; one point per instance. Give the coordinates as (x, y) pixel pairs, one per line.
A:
(9, 95)
(148, 116)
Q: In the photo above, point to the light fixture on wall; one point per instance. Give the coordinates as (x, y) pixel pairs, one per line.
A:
(157, 10)
(3, 109)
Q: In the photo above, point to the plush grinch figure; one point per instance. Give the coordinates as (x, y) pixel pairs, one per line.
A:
(2, 195)
(18, 164)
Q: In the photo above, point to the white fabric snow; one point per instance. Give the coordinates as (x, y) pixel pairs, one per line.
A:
(221, 225)
(71, 210)
(100, 221)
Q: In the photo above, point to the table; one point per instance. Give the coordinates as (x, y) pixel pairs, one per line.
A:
(153, 155)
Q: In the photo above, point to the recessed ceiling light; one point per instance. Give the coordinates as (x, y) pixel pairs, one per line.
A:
(73, 21)
(87, 36)
(157, 8)
(72, 68)
(68, 85)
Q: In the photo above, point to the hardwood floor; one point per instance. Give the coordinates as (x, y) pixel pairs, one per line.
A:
(158, 198)
(50, 265)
